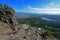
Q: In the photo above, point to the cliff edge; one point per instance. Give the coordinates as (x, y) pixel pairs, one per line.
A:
(11, 30)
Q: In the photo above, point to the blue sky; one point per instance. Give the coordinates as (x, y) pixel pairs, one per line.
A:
(34, 6)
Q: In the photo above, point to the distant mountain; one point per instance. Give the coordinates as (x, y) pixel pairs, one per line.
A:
(27, 15)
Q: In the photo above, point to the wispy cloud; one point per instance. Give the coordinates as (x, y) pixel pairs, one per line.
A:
(52, 5)
(51, 8)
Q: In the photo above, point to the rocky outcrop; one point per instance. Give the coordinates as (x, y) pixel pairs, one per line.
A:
(7, 17)
(11, 30)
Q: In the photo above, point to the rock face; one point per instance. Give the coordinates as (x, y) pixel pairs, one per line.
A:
(7, 16)
(10, 29)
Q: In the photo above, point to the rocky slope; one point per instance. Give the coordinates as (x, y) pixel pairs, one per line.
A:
(11, 30)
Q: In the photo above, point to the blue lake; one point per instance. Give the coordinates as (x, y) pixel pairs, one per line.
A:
(47, 19)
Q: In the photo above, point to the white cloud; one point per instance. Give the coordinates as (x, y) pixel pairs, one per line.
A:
(51, 8)
(48, 9)
(53, 5)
